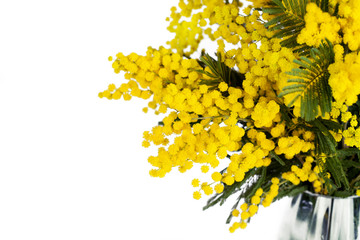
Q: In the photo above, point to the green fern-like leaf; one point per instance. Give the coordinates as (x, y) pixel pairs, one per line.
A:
(219, 72)
(287, 190)
(326, 144)
(311, 82)
(347, 152)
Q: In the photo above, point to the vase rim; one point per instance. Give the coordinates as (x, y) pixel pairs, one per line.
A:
(325, 196)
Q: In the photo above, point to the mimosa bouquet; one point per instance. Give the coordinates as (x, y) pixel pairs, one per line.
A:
(277, 104)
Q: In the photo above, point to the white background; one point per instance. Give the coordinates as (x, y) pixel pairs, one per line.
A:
(71, 164)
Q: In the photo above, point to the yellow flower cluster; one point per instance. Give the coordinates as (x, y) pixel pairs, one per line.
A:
(350, 12)
(352, 137)
(352, 133)
(345, 78)
(189, 147)
(306, 173)
(292, 145)
(160, 74)
(249, 158)
(205, 123)
(318, 26)
(265, 112)
(187, 33)
(173, 85)
(239, 122)
(259, 198)
(205, 187)
(190, 27)
(265, 65)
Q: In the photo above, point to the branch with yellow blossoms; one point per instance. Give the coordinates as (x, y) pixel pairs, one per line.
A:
(277, 104)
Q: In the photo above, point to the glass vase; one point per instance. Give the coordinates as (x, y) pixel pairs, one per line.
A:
(317, 217)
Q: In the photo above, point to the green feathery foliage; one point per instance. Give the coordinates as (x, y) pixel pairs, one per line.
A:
(311, 83)
(219, 72)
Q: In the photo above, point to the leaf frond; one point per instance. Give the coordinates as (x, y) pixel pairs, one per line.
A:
(219, 72)
(311, 81)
